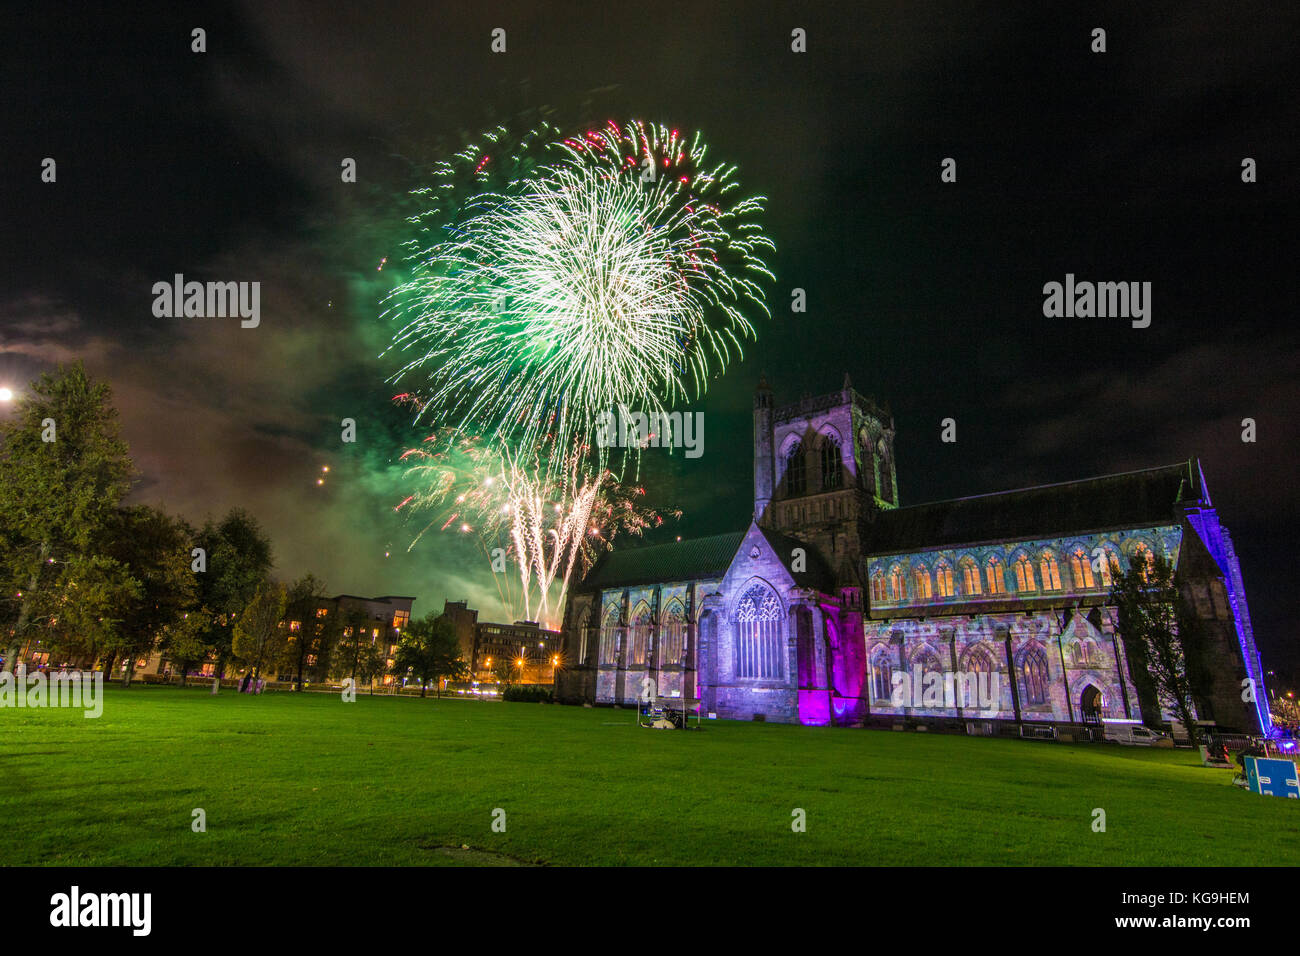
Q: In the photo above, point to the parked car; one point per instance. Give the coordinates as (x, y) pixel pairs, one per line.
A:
(1137, 735)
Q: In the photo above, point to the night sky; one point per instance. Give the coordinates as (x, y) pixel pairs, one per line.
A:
(1122, 166)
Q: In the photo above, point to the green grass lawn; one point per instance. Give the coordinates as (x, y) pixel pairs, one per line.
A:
(307, 779)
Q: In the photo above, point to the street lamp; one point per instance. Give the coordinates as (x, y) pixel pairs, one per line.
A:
(6, 394)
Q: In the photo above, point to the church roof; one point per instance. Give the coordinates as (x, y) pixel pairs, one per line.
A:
(689, 560)
(1131, 499)
(816, 573)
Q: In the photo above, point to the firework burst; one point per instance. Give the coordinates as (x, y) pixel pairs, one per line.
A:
(548, 528)
(618, 275)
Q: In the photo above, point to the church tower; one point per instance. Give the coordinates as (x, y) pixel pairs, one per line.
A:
(821, 465)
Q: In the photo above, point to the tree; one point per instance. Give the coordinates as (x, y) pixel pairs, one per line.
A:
(154, 546)
(238, 556)
(183, 641)
(370, 665)
(313, 630)
(84, 609)
(259, 633)
(1156, 623)
(430, 651)
(354, 639)
(63, 471)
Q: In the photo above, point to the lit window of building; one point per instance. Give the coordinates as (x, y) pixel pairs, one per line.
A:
(943, 577)
(1051, 571)
(1081, 569)
(993, 571)
(924, 589)
(1025, 574)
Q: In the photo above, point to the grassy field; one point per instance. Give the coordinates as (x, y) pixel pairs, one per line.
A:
(307, 779)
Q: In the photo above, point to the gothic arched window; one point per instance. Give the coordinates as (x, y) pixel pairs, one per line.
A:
(673, 634)
(921, 578)
(878, 591)
(832, 466)
(1033, 675)
(943, 578)
(928, 661)
(796, 476)
(882, 675)
(1051, 571)
(1083, 652)
(886, 473)
(609, 635)
(993, 571)
(897, 584)
(978, 661)
(1081, 569)
(866, 462)
(1024, 574)
(758, 635)
(970, 578)
(1109, 562)
(639, 636)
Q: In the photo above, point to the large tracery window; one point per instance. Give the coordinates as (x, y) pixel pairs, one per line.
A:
(1033, 675)
(886, 472)
(639, 636)
(928, 661)
(673, 642)
(609, 636)
(882, 675)
(832, 466)
(758, 635)
(978, 661)
(867, 471)
(796, 475)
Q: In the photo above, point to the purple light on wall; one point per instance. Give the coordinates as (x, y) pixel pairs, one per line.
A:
(814, 708)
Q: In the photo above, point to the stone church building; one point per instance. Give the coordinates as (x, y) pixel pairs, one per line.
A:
(836, 591)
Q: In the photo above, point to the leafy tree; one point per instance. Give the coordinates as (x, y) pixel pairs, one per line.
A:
(370, 665)
(238, 561)
(155, 547)
(504, 669)
(183, 643)
(430, 651)
(354, 638)
(259, 633)
(1156, 623)
(63, 471)
(84, 610)
(317, 628)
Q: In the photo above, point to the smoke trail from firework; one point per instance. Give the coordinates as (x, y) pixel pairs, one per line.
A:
(549, 528)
